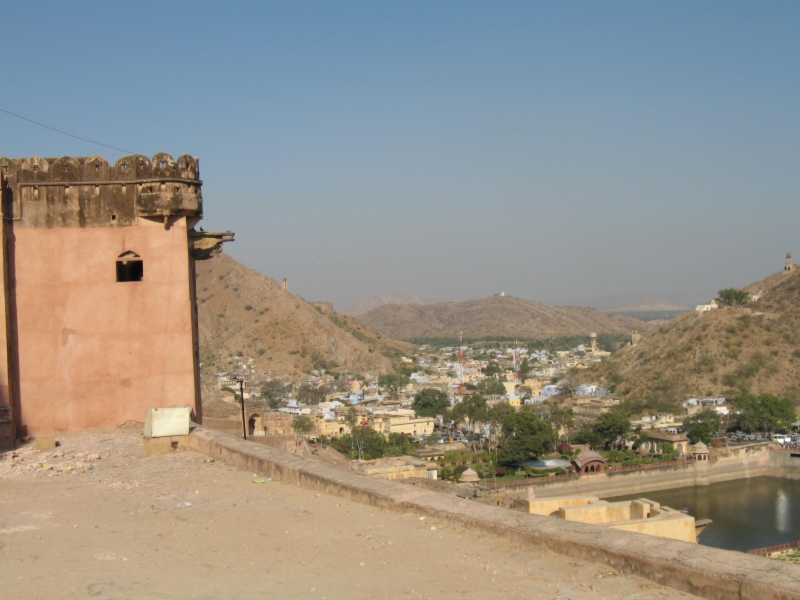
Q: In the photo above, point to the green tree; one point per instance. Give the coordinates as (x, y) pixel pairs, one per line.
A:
(491, 369)
(498, 412)
(764, 412)
(368, 443)
(430, 402)
(524, 437)
(351, 418)
(525, 370)
(302, 425)
(398, 445)
(472, 408)
(393, 382)
(562, 419)
(311, 395)
(733, 297)
(668, 451)
(700, 426)
(587, 436)
(273, 392)
(611, 425)
(491, 386)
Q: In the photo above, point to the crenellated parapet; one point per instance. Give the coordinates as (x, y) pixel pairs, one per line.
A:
(90, 192)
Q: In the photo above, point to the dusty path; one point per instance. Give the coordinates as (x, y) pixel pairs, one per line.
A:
(178, 526)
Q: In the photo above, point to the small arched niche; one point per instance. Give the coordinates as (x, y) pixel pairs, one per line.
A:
(130, 267)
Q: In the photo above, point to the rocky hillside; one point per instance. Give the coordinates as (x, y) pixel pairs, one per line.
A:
(718, 353)
(365, 305)
(243, 312)
(493, 317)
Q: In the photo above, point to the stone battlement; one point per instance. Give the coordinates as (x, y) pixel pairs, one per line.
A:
(89, 192)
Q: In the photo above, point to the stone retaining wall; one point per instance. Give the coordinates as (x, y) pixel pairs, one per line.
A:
(757, 461)
(707, 572)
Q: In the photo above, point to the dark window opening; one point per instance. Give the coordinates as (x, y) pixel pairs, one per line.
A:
(113, 217)
(129, 267)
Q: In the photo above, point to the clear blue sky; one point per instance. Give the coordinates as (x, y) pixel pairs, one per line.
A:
(568, 152)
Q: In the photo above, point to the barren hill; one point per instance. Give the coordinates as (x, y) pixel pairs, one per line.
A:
(365, 305)
(717, 353)
(493, 317)
(243, 312)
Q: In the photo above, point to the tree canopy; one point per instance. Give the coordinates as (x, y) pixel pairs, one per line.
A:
(611, 425)
(562, 419)
(764, 412)
(491, 369)
(311, 395)
(430, 402)
(472, 408)
(524, 437)
(498, 412)
(393, 382)
(525, 369)
(302, 425)
(491, 386)
(273, 392)
(700, 426)
(368, 443)
(733, 297)
(351, 418)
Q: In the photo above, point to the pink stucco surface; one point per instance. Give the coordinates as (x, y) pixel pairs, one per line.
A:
(94, 353)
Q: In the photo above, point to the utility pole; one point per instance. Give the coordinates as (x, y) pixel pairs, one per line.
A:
(241, 397)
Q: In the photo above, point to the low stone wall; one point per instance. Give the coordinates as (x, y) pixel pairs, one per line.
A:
(273, 441)
(755, 461)
(707, 572)
(233, 427)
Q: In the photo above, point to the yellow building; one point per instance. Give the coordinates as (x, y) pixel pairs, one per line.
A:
(400, 420)
(586, 409)
(642, 516)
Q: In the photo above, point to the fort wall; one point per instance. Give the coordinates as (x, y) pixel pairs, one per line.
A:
(99, 299)
(707, 572)
(93, 352)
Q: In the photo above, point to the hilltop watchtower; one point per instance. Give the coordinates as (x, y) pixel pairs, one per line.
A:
(789, 266)
(99, 280)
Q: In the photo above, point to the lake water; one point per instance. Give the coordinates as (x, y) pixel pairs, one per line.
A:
(550, 463)
(747, 513)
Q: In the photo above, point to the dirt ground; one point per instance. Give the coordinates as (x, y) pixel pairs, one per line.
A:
(73, 525)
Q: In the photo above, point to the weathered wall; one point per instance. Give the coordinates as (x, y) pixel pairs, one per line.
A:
(707, 572)
(80, 350)
(94, 353)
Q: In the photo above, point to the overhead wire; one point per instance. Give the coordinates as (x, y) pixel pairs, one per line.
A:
(62, 131)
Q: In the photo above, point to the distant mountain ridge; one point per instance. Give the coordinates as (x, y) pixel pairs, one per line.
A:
(365, 305)
(493, 317)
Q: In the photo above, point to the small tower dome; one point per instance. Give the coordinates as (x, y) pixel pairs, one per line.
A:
(469, 476)
(700, 451)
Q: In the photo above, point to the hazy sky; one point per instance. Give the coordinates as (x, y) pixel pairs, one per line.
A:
(562, 152)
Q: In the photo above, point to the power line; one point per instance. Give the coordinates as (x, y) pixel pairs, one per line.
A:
(56, 129)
